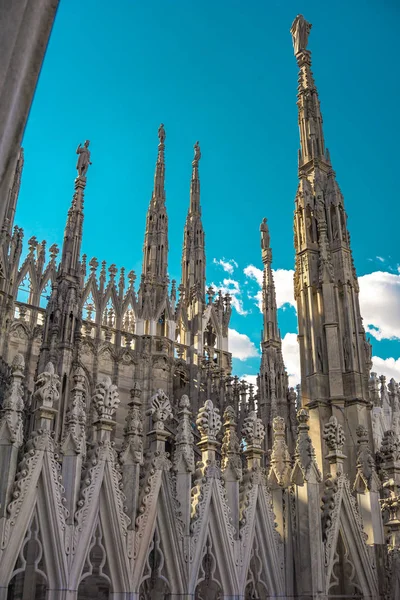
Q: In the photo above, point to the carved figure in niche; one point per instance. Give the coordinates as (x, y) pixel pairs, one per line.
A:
(300, 31)
(309, 225)
(335, 224)
(265, 238)
(346, 352)
(84, 159)
(343, 225)
(320, 362)
(301, 227)
(320, 211)
(210, 337)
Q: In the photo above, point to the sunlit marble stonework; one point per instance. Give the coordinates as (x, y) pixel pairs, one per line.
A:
(135, 466)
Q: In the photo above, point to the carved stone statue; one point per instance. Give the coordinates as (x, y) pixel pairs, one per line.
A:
(265, 239)
(84, 159)
(197, 155)
(161, 133)
(300, 31)
(335, 226)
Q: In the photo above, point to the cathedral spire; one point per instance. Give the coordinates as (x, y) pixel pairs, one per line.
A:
(310, 118)
(334, 353)
(71, 249)
(274, 399)
(61, 331)
(155, 248)
(193, 254)
(271, 331)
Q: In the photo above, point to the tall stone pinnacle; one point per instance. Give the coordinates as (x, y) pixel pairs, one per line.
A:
(155, 248)
(193, 253)
(70, 257)
(271, 331)
(334, 353)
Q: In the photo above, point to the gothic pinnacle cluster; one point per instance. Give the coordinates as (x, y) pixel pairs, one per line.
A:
(136, 466)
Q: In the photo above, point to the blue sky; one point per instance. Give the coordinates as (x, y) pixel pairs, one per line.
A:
(223, 73)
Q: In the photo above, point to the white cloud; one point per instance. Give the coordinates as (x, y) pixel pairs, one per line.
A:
(390, 367)
(283, 285)
(228, 265)
(291, 356)
(232, 287)
(380, 259)
(250, 379)
(379, 302)
(241, 345)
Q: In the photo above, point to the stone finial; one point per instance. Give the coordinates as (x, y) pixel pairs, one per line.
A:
(390, 448)
(209, 422)
(366, 471)
(75, 419)
(83, 163)
(47, 392)
(184, 455)
(253, 430)
(11, 425)
(105, 400)
(47, 386)
(231, 460)
(132, 447)
(334, 435)
(160, 409)
(305, 452)
(300, 31)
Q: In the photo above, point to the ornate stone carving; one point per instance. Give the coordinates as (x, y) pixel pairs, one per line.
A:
(366, 471)
(11, 425)
(305, 453)
(75, 419)
(105, 400)
(280, 458)
(47, 390)
(184, 455)
(231, 459)
(253, 430)
(390, 449)
(334, 435)
(209, 422)
(132, 447)
(160, 409)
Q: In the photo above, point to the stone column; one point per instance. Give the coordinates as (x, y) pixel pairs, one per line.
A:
(231, 464)
(26, 28)
(73, 445)
(11, 432)
(183, 463)
(131, 456)
(279, 482)
(306, 478)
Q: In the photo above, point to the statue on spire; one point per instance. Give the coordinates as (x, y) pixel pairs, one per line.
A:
(300, 31)
(265, 239)
(197, 155)
(161, 133)
(84, 159)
